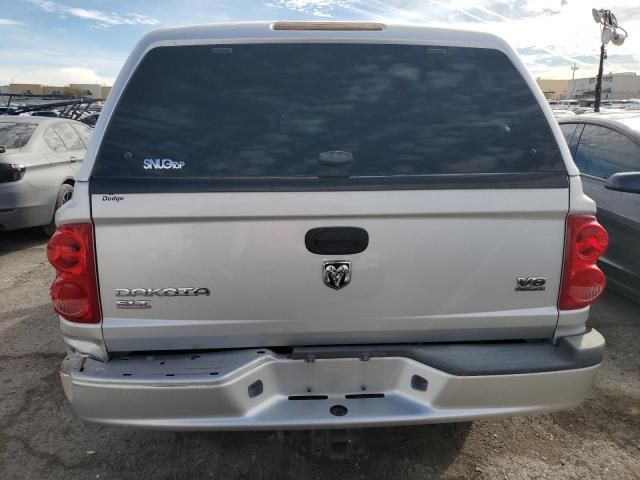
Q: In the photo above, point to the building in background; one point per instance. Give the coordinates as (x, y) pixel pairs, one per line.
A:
(553, 89)
(615, 86)
(53, 90)
(25, 88)
(77, 89)
(85, 89)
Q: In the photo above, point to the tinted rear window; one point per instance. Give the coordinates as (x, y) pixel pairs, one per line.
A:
(15, 135)
(347, 113)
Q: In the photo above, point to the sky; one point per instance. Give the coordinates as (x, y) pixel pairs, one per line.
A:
(57, 42)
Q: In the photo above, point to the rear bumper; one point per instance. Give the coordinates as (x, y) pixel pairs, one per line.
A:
(23, 206)
(259, 389)
(25, 217)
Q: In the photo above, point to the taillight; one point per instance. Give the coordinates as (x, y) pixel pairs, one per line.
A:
(582, 281)
(74, 292)
(11, 172)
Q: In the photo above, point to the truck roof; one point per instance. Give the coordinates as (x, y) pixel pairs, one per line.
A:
(324, 31)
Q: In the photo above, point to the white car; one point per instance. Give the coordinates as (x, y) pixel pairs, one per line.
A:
(301, 225)
(39, 158)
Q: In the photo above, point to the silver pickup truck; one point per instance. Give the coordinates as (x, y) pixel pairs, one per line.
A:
(307, 225)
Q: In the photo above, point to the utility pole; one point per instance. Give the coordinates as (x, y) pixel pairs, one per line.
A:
(596, 103)
(608, 33)
(573, 75)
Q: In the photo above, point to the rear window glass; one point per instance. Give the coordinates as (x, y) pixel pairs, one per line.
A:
(567, 131)
(325, 112)
(15, 135)
(84, 132)
(53, 141)
(69, 136)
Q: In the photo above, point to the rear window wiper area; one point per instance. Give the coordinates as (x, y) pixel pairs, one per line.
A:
(334, 158)
(335, 164)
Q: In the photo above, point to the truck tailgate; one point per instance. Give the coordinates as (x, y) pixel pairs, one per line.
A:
(441, 265)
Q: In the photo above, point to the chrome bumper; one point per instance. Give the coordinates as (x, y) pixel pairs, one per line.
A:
(259, 389)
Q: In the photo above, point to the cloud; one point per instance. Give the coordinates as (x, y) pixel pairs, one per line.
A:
(46, 5)
(542, 6)
(8, 21)
(317, 8)
(550, 35)
(54, 53)
(102, 18)
(562, 32)
(55, 75)
(111, 18)
(55, 66)
(83, 75)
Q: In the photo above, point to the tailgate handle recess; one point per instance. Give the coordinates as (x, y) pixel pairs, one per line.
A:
(336, 240)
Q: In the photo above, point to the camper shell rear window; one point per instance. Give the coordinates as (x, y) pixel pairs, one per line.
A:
(330, 115)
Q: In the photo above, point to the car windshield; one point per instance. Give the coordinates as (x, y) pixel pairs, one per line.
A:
(15, 135)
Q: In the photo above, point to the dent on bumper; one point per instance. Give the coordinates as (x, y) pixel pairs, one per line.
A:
(259, 389)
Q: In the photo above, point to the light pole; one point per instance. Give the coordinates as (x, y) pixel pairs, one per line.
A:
(608, 33)
(573, 75)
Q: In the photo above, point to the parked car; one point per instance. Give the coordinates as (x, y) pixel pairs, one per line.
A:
(39, 158)
(606, 149)
(90, 119)
(568, 103)
(45, 113)
(559, 113)
(300, 225)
